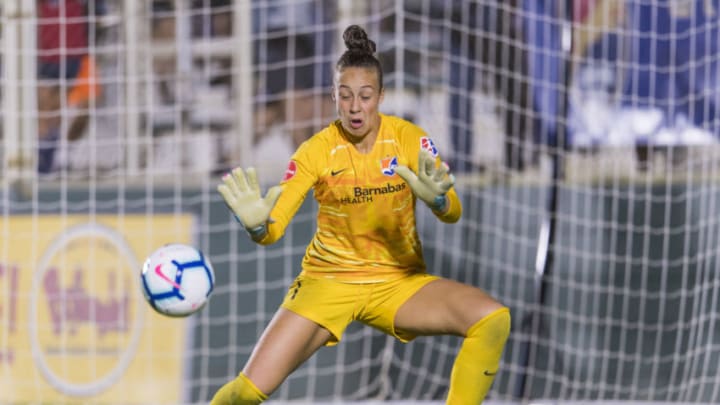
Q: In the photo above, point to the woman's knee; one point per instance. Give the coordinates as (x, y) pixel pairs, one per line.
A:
(493, 327)
(480, 304)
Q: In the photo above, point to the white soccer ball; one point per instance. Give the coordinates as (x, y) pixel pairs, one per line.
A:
(177, 280)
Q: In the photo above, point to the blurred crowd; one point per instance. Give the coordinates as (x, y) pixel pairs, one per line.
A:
(503, 68)
(294, 48)
(68, 82)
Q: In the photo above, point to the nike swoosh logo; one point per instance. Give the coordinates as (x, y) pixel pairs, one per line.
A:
(489, 373)
(336, 172)
(158, 271)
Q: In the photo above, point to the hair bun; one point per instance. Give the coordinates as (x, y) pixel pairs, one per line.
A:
(356, 39)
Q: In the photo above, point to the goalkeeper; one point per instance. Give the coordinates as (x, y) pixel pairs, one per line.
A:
(365, 261)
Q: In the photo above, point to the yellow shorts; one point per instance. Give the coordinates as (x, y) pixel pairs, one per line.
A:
(333, 304)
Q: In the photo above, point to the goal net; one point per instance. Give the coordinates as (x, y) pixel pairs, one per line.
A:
(583, 134)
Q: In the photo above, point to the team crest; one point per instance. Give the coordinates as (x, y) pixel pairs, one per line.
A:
(290, 171)
(388, 165)
(428, 144)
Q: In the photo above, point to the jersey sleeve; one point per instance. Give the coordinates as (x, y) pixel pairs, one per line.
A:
(454, 211)
(300, 176)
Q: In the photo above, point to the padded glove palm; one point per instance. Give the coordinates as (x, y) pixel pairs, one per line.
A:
(431, 183)
(242, 195)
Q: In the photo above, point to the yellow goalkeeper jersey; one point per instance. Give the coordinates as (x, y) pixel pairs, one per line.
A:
(366, 218)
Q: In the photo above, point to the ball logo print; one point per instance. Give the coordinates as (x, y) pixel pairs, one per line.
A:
(158, 271)
(177, 280)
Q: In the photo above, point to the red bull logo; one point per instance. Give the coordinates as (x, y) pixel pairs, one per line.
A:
(428, 144)
(388, 165)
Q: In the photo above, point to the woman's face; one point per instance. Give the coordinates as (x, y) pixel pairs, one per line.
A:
(357, 96)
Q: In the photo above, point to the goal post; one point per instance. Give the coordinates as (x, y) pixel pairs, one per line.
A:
(583, 136)
(19, 97)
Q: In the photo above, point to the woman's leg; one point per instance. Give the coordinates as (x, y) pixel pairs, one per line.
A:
(448, 307)
(287, 342)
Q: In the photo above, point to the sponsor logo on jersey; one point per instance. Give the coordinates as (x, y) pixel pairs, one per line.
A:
(290, 171)
(388, 165)
(428, 144)
(366, 194)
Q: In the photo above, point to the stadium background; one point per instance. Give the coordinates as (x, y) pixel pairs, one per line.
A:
(583, 134)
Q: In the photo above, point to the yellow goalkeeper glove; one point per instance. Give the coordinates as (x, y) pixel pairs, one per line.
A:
(431, 183)
(241, 192)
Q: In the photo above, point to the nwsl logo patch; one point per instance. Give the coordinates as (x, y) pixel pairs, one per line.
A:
(427, 144)
(290, 171)
(388, 165)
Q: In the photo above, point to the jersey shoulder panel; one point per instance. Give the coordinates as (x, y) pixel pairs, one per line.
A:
(404, 130)
(312, 154)
(312, 158)
(409, 136)
(323, 140)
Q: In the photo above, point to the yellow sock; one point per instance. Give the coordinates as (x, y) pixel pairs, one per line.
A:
(240, 391)
(478, 360)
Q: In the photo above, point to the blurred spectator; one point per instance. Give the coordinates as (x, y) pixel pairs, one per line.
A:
(485, 41)
(463, 34)
(643, 77)
(504, 55)
(293, 56)
(293, 50)
(484, 49)
(67, 73)
(670, 69)
(213, 19)
(164, 58)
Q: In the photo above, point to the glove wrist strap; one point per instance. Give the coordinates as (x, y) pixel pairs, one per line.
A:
(258, 232)
(439, 204)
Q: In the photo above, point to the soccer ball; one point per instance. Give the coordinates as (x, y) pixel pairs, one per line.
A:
(177, 280)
